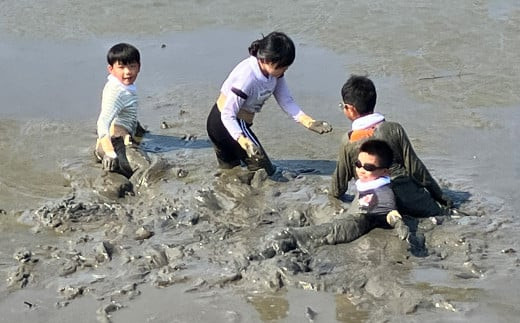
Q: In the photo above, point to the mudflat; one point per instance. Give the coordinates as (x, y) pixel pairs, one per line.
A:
(180, 249)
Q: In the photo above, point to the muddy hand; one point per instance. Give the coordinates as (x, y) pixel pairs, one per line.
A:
(110, 164)
(446, 201)
(251, 149)
(320, 127)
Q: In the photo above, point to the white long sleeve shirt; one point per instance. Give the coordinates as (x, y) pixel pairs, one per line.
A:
(248, 88)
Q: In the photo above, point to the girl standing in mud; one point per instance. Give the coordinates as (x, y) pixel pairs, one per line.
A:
(243, 94)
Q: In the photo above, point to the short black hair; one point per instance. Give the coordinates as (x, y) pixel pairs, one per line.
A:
(123, 53)
(380, 149)
(360, 92)
(276, 48)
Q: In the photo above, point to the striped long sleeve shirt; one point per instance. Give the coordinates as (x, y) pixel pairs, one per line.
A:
(118, 106)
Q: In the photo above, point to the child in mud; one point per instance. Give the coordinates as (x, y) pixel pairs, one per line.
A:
(243, 94)
(416, 191)
(374, 206)
(117, 126)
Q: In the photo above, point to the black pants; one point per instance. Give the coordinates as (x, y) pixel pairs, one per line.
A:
(414, 200)
(338, 231)
(132, 160)
(228, 150)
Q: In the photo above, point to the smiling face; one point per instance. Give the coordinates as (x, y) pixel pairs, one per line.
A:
(126, 74)
(368, 160)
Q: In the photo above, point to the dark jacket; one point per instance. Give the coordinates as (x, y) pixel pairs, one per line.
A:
(406, 169)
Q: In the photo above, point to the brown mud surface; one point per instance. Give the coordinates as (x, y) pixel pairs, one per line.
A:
(180, 249)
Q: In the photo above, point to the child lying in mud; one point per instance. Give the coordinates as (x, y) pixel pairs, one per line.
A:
(373, 206)
(243, 94)
(117, 126)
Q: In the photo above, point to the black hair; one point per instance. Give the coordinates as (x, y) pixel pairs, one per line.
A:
(123, 53)
(276, 48)
(380, 149)
(360, 92)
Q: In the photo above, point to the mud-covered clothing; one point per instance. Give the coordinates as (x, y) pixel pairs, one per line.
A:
(375, 201)
(247, 88)
(243, 94)
(118, 107)
(416, 191)
(133, 161)
(228, 150)
(363, 214)
(367, 211)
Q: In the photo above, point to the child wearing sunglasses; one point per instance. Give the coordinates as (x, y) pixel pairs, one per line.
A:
(417, 193)
(374, 206)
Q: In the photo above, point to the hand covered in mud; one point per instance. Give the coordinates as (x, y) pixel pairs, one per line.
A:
(446, 201)
(250, 148)
(320, 127)
(109, 163)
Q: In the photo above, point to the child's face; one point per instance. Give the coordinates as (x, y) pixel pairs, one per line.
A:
(366, 160)
(126, 74)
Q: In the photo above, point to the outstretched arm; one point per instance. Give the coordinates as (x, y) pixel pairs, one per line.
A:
(287, 103)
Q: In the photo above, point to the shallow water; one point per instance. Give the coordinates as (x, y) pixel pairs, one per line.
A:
(447, 71)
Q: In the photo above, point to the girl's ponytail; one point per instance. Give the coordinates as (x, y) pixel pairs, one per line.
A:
(255, 46)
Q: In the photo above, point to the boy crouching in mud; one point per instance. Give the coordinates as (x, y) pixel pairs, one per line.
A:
(117, 125)
(373, 206)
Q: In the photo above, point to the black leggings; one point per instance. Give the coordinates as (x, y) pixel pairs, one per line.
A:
(128, 167)
(228, 150)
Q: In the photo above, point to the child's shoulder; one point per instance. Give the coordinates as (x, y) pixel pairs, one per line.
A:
(391, 126)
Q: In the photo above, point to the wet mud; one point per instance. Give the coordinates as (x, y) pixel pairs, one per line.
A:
(189, 242)
(213, 237)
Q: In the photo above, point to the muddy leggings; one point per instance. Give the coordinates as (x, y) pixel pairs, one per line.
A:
(414, 200)
(132, 160)
(228, 150)
(338, 231)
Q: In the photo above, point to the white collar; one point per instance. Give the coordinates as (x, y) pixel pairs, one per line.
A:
(256, 68)
(371, 185)
(367, 121)
(131, 87)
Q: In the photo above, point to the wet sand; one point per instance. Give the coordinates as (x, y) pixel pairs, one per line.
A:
(178, 251)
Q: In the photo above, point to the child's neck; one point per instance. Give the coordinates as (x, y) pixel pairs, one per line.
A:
(362, 186)
(367, 121)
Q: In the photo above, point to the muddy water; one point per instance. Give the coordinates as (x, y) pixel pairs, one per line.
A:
(447, 71)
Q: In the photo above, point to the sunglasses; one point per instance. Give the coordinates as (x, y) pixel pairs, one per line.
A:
(367, 167)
